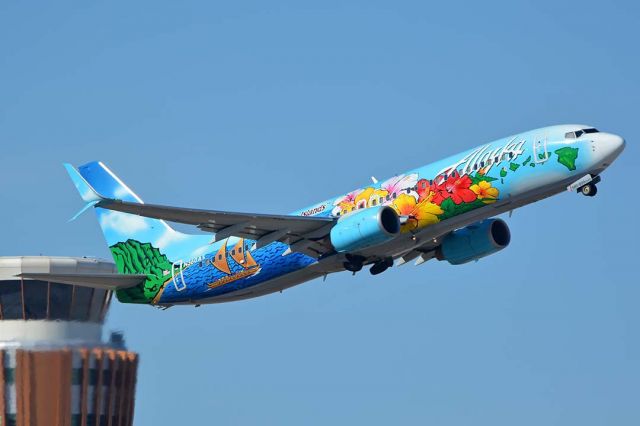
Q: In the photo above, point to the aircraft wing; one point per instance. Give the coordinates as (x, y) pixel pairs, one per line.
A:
(104, 281)
(302, 233)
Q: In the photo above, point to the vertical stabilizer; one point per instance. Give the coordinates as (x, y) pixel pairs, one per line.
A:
(138, 245)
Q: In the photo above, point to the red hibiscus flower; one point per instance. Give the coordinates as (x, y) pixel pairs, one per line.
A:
(455, 187)
(458, 188)
(439, 192)
(425, 190)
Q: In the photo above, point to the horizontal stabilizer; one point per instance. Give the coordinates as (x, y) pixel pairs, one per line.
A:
(104, 281)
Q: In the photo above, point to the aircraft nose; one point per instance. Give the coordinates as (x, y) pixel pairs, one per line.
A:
(617, 142)
(610, 146)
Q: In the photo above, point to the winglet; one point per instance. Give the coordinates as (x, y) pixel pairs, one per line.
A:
(88, 194)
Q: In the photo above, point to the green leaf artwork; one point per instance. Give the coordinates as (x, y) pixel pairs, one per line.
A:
(452, 209)
(477, 178)
(514, 166)
(134, 257)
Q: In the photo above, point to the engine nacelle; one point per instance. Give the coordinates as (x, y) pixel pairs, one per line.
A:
(474, 242)
(365, 228)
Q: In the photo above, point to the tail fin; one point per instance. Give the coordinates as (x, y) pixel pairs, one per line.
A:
(138, 245)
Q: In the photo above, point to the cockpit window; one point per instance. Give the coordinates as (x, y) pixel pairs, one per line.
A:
(578, 133)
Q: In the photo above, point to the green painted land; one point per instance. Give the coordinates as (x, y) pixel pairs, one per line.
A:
(567, 157)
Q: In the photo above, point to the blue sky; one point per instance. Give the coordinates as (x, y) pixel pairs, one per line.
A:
(272, 106)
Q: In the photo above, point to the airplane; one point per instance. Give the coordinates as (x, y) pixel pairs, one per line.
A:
(445, 210)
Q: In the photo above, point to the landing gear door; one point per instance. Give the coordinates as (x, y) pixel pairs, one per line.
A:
(540, 152)
(178, 278)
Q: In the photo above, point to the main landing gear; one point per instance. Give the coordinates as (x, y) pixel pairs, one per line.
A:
(354, 263)
(381, 266)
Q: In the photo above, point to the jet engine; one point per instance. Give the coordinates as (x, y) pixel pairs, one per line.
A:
(365, 228)
(474, 242)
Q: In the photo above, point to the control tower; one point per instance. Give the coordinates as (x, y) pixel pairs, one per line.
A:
(57, 369)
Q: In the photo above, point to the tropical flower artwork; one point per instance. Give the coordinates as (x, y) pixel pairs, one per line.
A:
(420, 213)
(485, 191)
(424, 202)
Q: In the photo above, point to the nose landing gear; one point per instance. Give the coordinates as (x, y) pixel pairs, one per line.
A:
(589, 190)
(586, 185)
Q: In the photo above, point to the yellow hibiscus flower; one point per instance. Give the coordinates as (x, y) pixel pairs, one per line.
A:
(346, 207)
(363, 198)
(376, 196)
(485, 192)
(420, 214)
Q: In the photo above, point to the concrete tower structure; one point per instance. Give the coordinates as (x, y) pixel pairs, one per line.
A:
(57, 369)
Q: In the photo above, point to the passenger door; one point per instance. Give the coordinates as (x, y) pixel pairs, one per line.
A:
(540, 152)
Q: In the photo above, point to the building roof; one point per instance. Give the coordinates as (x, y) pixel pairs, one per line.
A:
(10, 266)
(42, 299)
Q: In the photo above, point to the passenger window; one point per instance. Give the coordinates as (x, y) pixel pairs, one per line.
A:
(219, 257)
(388, 197)
(374, 202)
(381, 200)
